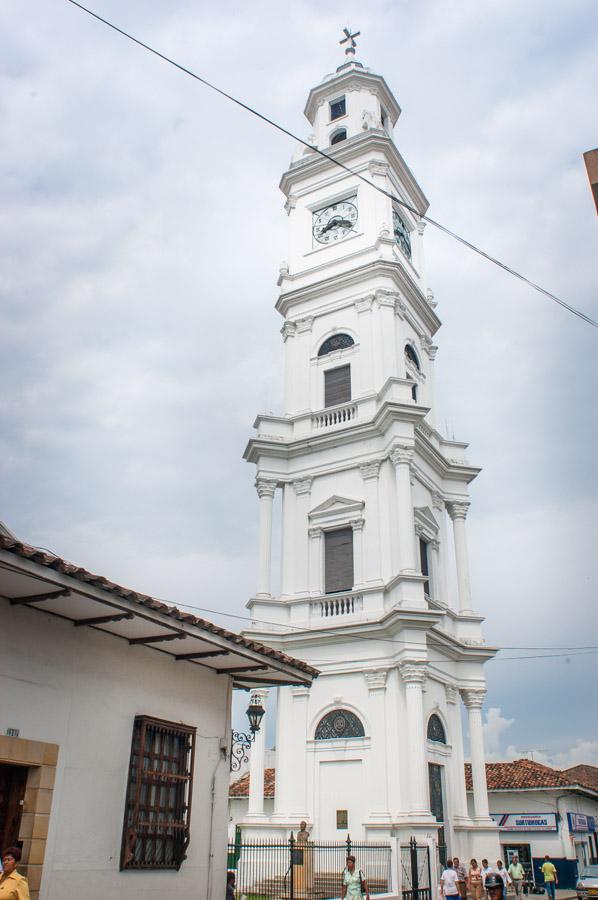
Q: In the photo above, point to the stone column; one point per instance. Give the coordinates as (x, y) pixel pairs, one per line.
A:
(457, 780)
(357, 526)
(287, 566)
(265, 491)
(288, 331)
(377, 793)
(299, 709)
(372, 565)
(413, 673)
(474, 700)
(302, 488)
(402, 457)
(458, 513)
(315, 561)
(366, 342)
(257, 759)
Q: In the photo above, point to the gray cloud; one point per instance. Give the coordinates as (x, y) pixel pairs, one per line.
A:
(142, 230)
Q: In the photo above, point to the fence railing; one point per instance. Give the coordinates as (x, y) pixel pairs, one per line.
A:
(305, 870)
(415, 870)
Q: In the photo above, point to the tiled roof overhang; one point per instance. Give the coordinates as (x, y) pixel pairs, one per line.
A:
(39, 580)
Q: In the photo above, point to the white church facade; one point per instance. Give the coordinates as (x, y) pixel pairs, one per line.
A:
(374, 507)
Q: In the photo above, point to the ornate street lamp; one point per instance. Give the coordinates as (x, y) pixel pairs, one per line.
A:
(240, 741)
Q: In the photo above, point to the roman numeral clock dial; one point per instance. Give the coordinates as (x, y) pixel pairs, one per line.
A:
(335, 222)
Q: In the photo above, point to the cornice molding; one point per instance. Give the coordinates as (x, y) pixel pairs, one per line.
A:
(288, 330)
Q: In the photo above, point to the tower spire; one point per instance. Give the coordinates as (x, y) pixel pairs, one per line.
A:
(349, 40)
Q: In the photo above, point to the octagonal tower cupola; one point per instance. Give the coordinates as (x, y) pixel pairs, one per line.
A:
(349, 102)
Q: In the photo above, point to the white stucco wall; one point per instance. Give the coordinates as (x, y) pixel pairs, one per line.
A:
(81, 689)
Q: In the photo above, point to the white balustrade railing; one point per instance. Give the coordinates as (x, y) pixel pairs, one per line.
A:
(344, 605)
(338, 415)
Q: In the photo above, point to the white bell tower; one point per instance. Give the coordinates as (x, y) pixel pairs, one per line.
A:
(370, 494)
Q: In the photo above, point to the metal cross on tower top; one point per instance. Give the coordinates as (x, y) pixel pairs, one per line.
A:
(349, 40)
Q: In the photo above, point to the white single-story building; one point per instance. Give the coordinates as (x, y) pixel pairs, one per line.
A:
(115, 733)
(542, 810)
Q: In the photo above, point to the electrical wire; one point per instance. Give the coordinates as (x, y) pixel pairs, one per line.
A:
(572, 651)
(389, 194)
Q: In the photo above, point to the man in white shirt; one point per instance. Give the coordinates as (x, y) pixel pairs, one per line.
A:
(448, 881)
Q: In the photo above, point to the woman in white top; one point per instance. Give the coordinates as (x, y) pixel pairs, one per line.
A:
(448, 881)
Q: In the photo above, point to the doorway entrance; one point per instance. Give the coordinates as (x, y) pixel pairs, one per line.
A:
(13, 780)
(523, 851)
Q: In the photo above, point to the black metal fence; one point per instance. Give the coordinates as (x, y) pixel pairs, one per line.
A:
(308, 870)
(415, 869)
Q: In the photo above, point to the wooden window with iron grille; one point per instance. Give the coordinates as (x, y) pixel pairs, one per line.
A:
(158, 801)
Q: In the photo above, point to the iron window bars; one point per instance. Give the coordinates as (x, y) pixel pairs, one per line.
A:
(158, 799)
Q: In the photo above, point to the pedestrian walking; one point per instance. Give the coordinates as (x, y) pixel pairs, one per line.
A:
(474, 880)
(448, 881)
(355, 886)
(517, 873)
(230, 885)
(506, 878)
(486, 870)
(12, 885)
(550, 877)
(461, 878)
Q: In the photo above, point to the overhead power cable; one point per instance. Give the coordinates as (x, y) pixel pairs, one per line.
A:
(389, 194)
(571, 651)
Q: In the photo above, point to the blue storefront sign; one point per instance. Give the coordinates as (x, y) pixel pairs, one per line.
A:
(579, 823)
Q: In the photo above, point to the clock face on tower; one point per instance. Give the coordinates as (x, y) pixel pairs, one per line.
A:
(401, 233)
(335, 222)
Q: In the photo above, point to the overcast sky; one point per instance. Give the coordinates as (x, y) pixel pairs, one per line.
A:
(142, 229)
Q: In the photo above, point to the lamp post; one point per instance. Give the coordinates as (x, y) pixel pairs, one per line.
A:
(241, 742)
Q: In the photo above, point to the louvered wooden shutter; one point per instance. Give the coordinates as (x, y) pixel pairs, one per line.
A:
(337, 386)
(338, 560)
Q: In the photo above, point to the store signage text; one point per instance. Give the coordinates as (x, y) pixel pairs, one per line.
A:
(526, 821)
(580, 822)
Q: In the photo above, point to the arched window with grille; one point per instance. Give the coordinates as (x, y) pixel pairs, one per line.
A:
(336, 342)
(340, 723)
(436, 730)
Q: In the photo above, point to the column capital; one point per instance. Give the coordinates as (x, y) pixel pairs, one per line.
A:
(305, 325)
(265, 487)
(289, 329)
(401, 455)
(357, 524)
(437, 500)
(457, 509)
(370, 469)
(413, 671)
(316, 531)
(386, 298)
(452, 693)
(376, 680)
(303, 485)
(473, 698)
(364, 304)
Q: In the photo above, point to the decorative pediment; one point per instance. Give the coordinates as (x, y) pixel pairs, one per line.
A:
(336, 509)
(425, 521)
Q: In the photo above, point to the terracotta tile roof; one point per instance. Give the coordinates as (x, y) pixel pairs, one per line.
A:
(524, 773)
(585, 775)
(240, 787)
(50, 561)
